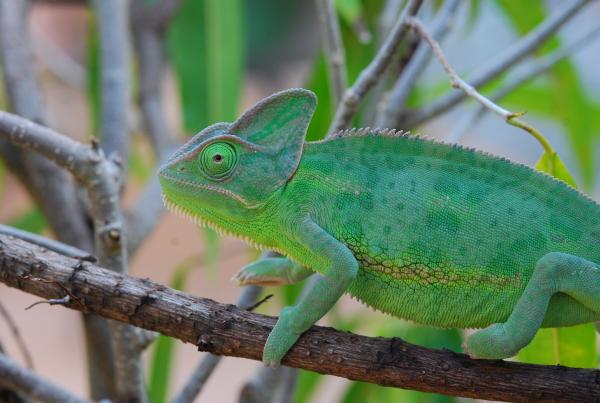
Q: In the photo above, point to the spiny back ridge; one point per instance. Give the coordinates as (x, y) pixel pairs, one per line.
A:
(368, 131)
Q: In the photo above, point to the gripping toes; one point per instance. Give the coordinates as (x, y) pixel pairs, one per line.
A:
(493, 342)
(281, 339)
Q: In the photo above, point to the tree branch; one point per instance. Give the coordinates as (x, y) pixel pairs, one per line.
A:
(206, 367)
(394, 103)
(49, 186)
(529, 73)
(333, 49)
(226, 330)
(113, 33)
(101, 178)
(517, 52)
(32, 385)
(373, 72)
(457, 82)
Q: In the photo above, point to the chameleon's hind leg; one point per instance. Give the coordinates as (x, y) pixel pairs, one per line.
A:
(272, 271)
(555, 272)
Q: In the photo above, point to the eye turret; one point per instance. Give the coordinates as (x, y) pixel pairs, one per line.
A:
(218, 160)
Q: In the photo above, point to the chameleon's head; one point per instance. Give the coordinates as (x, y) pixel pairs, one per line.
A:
(227, 169)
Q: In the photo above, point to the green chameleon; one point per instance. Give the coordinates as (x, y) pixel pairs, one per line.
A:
(430, 232)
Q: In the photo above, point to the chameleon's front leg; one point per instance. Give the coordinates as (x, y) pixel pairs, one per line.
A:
(342, 268)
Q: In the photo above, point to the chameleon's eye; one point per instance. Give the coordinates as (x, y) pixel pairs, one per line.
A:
(218, 160)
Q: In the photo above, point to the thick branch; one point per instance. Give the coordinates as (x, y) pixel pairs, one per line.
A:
(517, 52)
(374, 72)
(226, 330)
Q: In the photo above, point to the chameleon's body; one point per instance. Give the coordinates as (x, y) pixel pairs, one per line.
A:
(430, 232)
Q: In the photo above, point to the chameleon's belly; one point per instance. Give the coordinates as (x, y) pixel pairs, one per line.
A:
(434, 297)
(437, 296)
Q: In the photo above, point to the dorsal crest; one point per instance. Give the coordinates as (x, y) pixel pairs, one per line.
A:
(368, 131)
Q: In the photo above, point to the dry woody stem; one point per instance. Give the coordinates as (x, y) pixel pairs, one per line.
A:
(227, 330)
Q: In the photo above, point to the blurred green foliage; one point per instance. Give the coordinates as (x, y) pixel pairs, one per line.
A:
(560, 96)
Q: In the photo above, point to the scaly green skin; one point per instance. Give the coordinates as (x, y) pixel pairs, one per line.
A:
(429, 232)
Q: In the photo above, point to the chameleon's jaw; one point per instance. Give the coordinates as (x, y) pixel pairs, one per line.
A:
(181, 211)
(206, 223)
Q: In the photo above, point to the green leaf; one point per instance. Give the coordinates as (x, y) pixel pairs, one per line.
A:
(161, 359)
(211, 253)
(571, 346)
(570, 104)
(93, 78)
(349, 10)
(308, 382)
(554, 166)
(140, 168)
(32, 220)
(205, 46)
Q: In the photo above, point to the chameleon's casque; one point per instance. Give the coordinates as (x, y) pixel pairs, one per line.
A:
(435, 233)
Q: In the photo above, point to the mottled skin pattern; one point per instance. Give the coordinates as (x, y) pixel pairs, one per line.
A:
(429, 232)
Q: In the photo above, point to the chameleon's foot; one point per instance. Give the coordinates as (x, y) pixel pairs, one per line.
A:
(492, 342)
(247, 276)
(282, 338)
(271, 271)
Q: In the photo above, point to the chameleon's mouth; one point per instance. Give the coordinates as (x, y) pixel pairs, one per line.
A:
(202, 186)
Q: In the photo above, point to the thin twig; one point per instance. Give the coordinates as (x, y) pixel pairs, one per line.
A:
(206, 367)
(457, 82)
(56, 246)
(531, 72)
(506, 60)
(333, 49)
(32, 385)
(393, 103)
(225, 330)
(389, 13)
(52, 301)
(14, 329)
(373, 72)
